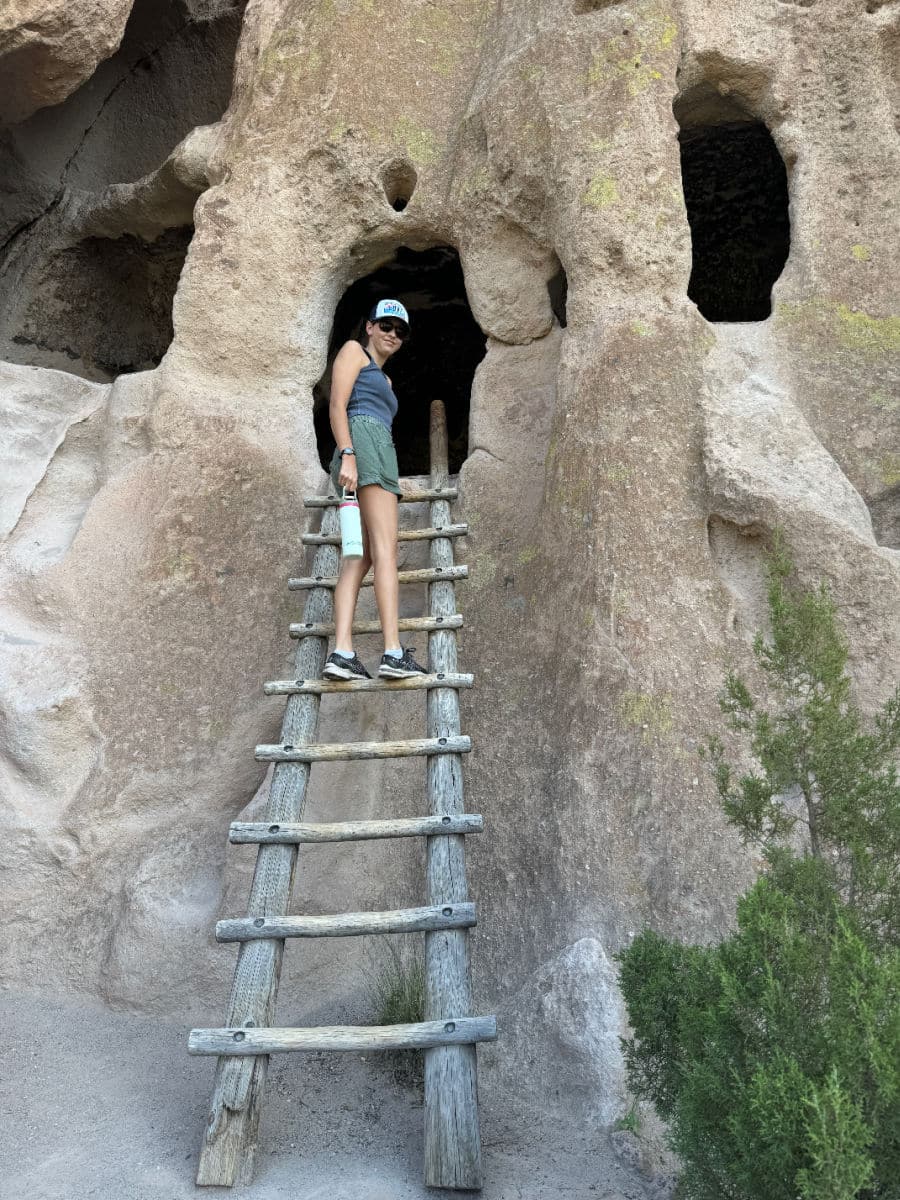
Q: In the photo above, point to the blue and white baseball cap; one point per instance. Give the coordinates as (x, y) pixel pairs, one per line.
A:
(389, 308)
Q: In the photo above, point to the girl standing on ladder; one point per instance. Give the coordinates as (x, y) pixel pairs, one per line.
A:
(362, 409)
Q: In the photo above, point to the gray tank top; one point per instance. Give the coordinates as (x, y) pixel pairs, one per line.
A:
(372, 394)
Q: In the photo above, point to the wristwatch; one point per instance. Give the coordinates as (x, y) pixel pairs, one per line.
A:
(347, 450)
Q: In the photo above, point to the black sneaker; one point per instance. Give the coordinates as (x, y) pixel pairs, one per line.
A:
(400, 668)
(338, 667)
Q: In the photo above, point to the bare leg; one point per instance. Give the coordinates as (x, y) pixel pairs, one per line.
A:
(379, 510)
(346, 593)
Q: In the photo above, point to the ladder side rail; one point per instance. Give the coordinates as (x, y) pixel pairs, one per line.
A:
(452, 1139)
(230, 1138)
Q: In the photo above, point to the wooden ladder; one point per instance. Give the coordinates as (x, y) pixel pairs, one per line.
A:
(449, 1033)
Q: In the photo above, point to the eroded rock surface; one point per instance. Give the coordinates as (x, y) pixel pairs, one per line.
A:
(48, 49)
(624, 476)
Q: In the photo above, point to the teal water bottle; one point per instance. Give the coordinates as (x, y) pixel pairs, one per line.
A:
(351, 526)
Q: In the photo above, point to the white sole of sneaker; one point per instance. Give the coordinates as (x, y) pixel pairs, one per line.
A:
(332, 672)
(396, 673)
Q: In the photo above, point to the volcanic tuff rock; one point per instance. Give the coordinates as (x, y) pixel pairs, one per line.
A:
(46, 54)
(624, 473)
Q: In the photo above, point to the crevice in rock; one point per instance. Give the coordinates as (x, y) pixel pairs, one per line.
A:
(29, 224)
(489, 453)
(736, 195)
(581, 7)
(558, 291)
(437, 362)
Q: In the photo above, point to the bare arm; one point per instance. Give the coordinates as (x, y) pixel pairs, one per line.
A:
(348, 363)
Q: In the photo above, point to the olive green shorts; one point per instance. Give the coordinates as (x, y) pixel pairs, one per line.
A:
(376, 458)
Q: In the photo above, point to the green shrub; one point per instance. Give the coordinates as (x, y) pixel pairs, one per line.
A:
(775, 1056)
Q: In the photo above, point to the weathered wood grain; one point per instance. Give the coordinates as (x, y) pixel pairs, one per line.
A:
(452, 1150)
(405, 625)
(288, 687)
(452, 1138)
(405, 535)
(230, 1138)
(399, 920)
(457, 1031)
(242, 832)
(420, 575)
(354, 751)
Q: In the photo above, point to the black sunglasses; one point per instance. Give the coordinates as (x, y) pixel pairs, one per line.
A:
(397, 327)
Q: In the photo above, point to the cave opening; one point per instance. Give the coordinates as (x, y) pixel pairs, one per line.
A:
(736, 195)
(437, 362)
(100, 306)
(103, 306)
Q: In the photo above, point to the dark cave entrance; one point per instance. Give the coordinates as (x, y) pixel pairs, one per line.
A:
(99, 306)
(736, 195)
(437, 362)
(103, 307)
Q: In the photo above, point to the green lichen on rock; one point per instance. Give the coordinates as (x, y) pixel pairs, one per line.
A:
(475, 183)
(889, 470)
(884, 400)
(181, 565)
(859, 331)
(861, 253)
(631, 55)
(852, 329)
(285, 57)
(418, 142)
(602, 190)
(650, 713)
(437, 38)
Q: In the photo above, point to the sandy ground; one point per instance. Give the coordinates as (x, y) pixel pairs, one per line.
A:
(97, 1105)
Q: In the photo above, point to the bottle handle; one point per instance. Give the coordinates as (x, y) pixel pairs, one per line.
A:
(348, 494)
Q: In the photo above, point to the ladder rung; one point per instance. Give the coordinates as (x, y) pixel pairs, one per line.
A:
(404, 535)
(400, 920)
(450, 1032)
(405, 625)
(290, 834)
(409, 496)
(319, 687)
(423, 575)
(353, 751)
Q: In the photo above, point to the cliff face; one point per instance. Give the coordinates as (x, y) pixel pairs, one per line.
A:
(623, 473)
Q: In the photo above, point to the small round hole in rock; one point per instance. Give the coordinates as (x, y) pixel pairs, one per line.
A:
(399, 179)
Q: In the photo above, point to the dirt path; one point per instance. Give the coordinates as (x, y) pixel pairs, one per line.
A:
(104, 1106)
